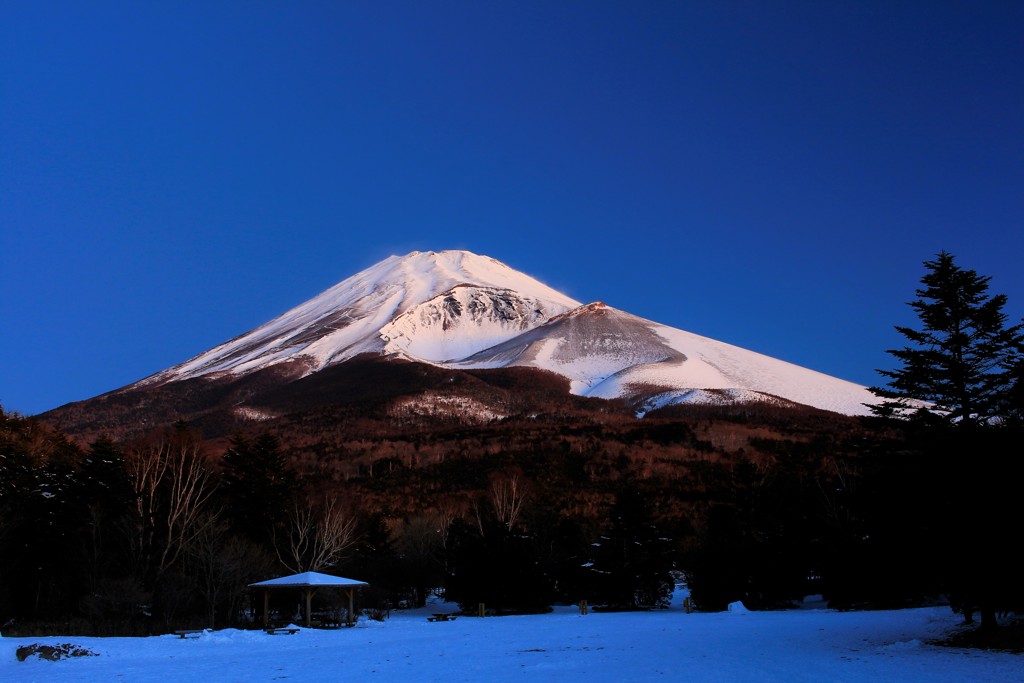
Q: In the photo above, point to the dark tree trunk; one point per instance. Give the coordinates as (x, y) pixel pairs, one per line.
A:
(988, 619)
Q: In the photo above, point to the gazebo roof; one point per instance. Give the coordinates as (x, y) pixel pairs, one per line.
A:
(310, 580)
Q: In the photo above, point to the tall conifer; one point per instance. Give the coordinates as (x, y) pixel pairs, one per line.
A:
(959, 365)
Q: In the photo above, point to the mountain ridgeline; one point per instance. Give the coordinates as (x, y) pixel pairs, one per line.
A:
(464, 314)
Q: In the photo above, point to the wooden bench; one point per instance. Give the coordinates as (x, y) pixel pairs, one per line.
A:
(442, 617)
(281, 631)
(186, 632)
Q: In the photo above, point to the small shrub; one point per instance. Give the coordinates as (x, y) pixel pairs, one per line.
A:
(377, 614)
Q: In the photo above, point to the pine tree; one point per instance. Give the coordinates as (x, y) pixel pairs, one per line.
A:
(959, 366)
(961, 375)
(259, 484)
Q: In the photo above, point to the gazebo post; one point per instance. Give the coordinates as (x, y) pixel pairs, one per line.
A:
(349, 615)
(266, 607)
(309, 599)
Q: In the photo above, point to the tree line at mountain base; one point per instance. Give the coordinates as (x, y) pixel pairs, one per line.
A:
(160, 533)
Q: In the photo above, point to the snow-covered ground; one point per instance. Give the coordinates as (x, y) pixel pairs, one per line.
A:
(812, 645)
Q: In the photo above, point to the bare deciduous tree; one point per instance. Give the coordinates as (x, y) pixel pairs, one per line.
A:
(172, 487)
(447, 511)
(223, 565)
(507, 496)
(316, 536)
(420, 543)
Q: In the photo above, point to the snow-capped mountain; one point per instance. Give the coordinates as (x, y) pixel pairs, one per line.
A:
(429, 306)
(460, 310)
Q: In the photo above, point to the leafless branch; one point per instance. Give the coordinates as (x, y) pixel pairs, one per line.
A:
(316, 536)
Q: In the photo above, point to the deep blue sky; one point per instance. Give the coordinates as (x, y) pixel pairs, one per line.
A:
(771, 175)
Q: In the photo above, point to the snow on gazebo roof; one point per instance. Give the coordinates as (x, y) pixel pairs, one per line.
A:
(309, 579)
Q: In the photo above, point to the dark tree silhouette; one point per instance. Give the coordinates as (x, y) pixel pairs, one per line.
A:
(633, 558)
(259, 485)
(960, 364)
(960, 377)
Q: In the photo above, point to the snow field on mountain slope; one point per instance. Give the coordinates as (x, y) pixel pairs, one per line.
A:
(743, 369)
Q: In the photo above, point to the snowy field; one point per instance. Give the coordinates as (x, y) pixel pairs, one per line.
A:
(812, 645)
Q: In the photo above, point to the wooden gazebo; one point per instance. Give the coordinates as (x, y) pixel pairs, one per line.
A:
(307, 583)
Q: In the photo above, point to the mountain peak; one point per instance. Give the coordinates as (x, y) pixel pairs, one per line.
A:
(385, 309)
(457, 309)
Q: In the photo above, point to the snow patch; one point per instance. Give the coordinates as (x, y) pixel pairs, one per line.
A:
(439, 405)
(253, 414)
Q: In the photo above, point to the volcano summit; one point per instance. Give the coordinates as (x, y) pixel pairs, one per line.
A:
(460, 311)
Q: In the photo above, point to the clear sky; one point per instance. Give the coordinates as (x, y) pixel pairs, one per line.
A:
(771, 175)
